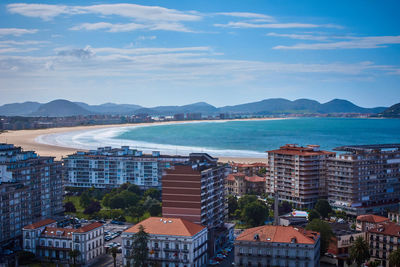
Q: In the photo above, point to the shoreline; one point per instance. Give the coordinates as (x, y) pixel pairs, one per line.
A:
(27, 139)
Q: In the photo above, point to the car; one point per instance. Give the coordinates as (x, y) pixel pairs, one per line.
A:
(101, 221)
(213, 262)
(107, 238)
(220, 255)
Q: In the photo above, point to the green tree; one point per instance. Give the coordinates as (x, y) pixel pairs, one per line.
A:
(134, 189)
(117, 202)
(323, 207)
(313, 214)
(113, 252)
(155, 209)
(93, 207)
(153, 193)
(139, 248)
(74, 254)
(85, 199)
(69, 207)
(246, 199)
(255, 213)
(359, 251)
(232, 205)
(129, 198)
(394, 258)
(325, 231)
(106, 199)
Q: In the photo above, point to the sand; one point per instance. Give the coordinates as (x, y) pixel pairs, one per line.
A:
(27, 140)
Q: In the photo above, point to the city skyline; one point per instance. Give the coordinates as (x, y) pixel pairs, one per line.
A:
(173, 53)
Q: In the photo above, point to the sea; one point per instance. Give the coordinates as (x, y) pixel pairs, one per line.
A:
(235, 138)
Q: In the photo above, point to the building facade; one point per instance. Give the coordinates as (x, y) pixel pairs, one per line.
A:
(298, 174)
(394, 216)
(31, 189)
(369, 221)
(172, 242)
(48, 242)
(238, 184)
(365, 179)
(195, 191)
(383, 239)
(250, 169)
(277, 246)
(107, 167)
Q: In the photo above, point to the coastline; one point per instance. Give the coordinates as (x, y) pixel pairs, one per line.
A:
(27, 139)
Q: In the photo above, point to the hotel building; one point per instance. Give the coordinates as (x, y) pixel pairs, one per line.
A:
(383, 240)
(250, 169)
(172, 242)
(277, 246)
(30, 189)
(48, 242)
(298, 174)
(107, 167)
(365, 179)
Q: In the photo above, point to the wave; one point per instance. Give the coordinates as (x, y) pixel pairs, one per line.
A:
(89, 139)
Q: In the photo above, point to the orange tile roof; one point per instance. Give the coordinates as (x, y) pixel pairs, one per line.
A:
(89, 227)
(290, 149)
(40, 224)
(255, 179)
(167, 226)
(279, 234)
(371, 218)
(53, 231)
(388, 228)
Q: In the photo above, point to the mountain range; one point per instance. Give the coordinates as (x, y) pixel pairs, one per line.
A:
(273, 106)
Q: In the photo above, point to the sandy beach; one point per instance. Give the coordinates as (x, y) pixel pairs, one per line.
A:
(27, 139)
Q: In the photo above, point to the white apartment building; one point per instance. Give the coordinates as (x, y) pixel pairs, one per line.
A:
(110, 167)
(47, 241)
(172, 242)
(277, 246)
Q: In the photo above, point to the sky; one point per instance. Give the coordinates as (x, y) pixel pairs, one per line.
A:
(177, 52)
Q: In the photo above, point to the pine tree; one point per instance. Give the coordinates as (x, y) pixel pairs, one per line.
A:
(140, 250)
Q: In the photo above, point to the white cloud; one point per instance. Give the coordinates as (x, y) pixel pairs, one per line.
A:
(143, 38)
(270, 25)
(356, 43)
(133, 11)
(300, 36)
(16, 31)
(256, 16)
(127, 27)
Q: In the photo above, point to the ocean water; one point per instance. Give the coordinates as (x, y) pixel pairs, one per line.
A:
(259, 136)
(234, 138)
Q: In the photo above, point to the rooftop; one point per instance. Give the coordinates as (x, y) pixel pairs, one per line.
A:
(167, 226)
(368, 148)
(293, 149)
(388, 228)
(254, 179)
(279, 234)
(89, 227)
(60, 232)
(40, 224)
(371, 218)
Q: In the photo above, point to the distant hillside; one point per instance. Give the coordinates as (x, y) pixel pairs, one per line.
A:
(110, 108)
(60, 108)
(392, 112)
(272, 106)
(300, 106)
(19, 109)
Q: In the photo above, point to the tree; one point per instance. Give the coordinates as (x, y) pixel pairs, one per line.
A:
(246, 199)
(85, 200)
(394, 258)
(134, 189)
(129, 198)
(359, 251)
(93, 207)
(325, 231)
(255, 213)
(117, 202)
(323, 207)
(139, 248)
(284, 207)
(232, 205)
(153, 193)
(74, 254)
(155, 209)
(69, 207)
(113, 252)
(313, 214)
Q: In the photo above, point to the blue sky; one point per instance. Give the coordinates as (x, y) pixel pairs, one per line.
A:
(178, 52)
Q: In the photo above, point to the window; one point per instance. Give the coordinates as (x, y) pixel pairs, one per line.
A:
(166, 245)
(50, 243)
(64, 244)
(176, 246)
(155, 244)
(185, 247)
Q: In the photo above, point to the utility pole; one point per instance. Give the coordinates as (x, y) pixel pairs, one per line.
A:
(276, 208)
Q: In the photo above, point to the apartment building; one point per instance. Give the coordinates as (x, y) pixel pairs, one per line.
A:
(383, 240)
(394, 216)
(30, 189)
(172, 242)
(110, 167)
(298, 174)
(238, 184)
(54, 244)
(277, 246)
(365, 179)
(195, 191)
